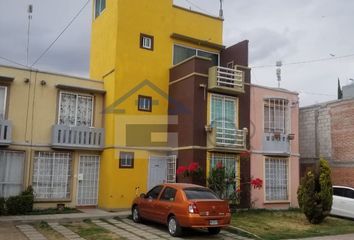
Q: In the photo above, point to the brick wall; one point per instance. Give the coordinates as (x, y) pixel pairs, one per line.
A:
(343, 176)
(342, 117)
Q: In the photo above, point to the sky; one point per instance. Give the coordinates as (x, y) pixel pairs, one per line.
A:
(314, 39)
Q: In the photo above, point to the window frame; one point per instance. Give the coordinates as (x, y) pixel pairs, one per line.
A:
(97, 14)
(76, 107)
(150, 105)
(286, 114)
(126, 154)
(146, 36)
(69, 176)
(5, 101)
(196, 53)
(22, 172)
(288, 181)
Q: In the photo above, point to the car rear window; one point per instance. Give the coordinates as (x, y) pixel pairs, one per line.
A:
(199, 193)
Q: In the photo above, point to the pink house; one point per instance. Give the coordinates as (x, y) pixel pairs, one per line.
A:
(274, 147)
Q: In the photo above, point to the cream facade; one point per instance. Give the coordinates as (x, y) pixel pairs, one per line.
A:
(54, 136)
(274, 147)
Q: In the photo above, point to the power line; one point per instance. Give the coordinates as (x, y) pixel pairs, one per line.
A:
(307, 61)
(66, 27)
(14, 62)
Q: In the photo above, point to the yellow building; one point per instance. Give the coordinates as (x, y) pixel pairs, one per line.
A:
(51, 136)
(137, 49)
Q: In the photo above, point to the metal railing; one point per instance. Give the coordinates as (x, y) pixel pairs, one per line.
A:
(276, 143)
(230, 136)
(72, 137)
(229, 77)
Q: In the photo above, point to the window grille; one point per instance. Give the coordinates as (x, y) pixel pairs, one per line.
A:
(171, 169)
(276, 115)
(276, 179)
(52, 175)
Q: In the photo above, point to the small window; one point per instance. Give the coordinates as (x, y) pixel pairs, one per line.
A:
(144, 103)
(169, 194)
(126, 160)
(100, 5)
(199, 193)
(146, 42)
(154, 193)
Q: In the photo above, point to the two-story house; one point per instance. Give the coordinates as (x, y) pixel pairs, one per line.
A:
(274, 146)
(51, 136)
(174, 95)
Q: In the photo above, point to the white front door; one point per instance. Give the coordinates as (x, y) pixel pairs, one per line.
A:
(87, 191)
(161, 170)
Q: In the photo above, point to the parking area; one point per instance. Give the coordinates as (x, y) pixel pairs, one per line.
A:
(110, 228)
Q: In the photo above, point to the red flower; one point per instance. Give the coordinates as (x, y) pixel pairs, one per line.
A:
(245, 154)
(238, 190)
(219, 165)
(193, 167)
(181, 169)
(257, 183)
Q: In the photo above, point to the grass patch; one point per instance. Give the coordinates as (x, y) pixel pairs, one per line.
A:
(272, 225)
(53, 211)
(44, 228)
(90, 231)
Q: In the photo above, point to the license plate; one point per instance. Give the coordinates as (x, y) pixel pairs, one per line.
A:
(213, 222)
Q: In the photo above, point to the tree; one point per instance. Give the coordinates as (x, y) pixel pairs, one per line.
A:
(315, 193)
(339, 91)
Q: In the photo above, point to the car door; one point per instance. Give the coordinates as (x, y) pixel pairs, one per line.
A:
(147, 204)
(349, 202)
(338, 205)
(165, 203)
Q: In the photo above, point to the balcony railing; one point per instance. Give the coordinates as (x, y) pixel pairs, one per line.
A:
(77, 137)
(226, 80)
(276, 143)
(229, 139)
(5, 132)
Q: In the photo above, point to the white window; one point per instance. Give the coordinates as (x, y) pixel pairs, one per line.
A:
(144, 103)
(276, 117)
(230, 162)
(75, 109)
(181, 53)
(171, 169)
(276, 179)
(146, 42)
(11, 173)
(52, 175)
(223, 119)
(3, 94)
(100, 5)
(126, 160)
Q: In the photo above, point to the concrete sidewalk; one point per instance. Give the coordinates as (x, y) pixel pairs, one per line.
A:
(334, 237)
(86, 213)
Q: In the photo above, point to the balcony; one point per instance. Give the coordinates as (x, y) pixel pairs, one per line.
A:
(277, 144)
(226, 80)
(67, 137)
(226, 139)
(5, 132)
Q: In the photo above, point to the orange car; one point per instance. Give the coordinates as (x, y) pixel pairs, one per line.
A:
(182, 205)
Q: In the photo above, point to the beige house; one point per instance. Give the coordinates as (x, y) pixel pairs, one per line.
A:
(51, 136)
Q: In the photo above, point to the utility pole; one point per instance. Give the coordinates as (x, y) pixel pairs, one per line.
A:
(29, 11)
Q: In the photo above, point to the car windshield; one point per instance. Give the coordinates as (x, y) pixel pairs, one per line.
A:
(199, 193)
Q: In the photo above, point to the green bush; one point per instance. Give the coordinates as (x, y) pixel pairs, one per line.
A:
(315, 193)
(20, 204)
(2, 206)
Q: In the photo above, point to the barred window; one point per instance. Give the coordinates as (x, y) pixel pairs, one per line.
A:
(100, 5)
(52, 175)
(126, 160)
(276, 179)
(171, 169)
(276, 115)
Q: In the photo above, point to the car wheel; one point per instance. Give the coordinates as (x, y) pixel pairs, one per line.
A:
(174, 228)
(136, 215)
(214, 230)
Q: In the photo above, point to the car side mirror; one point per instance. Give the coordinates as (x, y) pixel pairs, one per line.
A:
(142, 195)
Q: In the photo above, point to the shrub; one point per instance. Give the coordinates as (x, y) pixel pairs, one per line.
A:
(2, 206)
(20, 204)
(315, 193)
